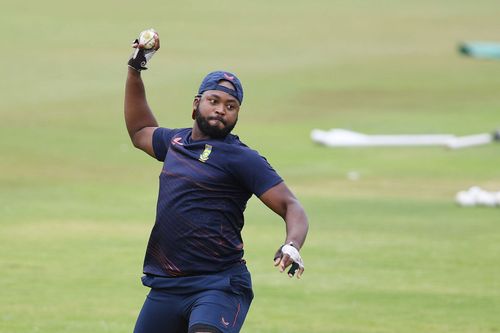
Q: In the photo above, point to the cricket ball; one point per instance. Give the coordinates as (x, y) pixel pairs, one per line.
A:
(147, 39)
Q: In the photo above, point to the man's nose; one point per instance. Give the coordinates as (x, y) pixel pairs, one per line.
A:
(220, 109)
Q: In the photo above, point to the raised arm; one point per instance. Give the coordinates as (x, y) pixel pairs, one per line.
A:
(139, 119)
(282, 201)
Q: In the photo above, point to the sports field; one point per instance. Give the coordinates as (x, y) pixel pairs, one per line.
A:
(388, 252)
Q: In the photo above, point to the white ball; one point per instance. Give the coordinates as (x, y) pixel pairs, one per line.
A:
(147, 38)
(353, 175)
(465, 199)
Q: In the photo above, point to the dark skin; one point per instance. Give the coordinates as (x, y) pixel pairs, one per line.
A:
(221, 109)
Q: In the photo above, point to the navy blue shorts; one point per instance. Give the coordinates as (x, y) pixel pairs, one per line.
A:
(174, 304)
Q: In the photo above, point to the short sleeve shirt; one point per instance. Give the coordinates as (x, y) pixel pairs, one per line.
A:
(203, 192)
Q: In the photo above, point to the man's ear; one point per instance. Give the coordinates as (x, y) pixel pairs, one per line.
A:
(196, 103)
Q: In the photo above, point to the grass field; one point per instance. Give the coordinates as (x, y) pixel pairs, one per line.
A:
(389, 252)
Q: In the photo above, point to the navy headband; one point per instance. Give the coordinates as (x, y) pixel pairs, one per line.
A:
(211, 82)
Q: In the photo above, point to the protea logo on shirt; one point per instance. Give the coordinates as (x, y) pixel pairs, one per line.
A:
(206, 153)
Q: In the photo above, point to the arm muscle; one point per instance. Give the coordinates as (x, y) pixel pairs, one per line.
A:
(282, 201)
(139, 118)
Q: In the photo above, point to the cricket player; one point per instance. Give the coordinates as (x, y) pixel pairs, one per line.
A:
(194, 259)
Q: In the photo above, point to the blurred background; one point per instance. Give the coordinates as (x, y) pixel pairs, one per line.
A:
(388, 249)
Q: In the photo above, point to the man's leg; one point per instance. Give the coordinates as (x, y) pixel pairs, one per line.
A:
(161, 313)
(217, 311)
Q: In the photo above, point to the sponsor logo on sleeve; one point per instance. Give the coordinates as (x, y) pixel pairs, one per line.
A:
(177, 141)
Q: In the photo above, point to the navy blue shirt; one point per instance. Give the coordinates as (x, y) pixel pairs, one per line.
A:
(204, 189)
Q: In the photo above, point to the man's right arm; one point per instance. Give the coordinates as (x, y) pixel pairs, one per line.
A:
(139, 118)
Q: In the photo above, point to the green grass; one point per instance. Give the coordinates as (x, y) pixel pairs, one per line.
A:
(389, 252)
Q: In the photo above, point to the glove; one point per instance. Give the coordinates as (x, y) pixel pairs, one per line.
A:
(286, 253)
(144, 50)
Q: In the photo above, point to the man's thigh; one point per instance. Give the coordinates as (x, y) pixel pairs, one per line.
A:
(223, 310)
(162, 313)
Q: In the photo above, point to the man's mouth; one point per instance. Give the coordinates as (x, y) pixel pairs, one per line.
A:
(217, 118)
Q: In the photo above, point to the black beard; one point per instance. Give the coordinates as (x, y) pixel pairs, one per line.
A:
(212, 131)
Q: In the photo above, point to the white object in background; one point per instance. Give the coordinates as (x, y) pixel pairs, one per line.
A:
(465, 199)
(485, 198)
(476, 196)
(353, 175)
(338, 137)
(469, 141)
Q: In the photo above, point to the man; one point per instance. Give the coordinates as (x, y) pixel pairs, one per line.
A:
(194, 260)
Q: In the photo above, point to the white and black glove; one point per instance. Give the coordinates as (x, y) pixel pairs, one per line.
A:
(288, 255)
(145, 47)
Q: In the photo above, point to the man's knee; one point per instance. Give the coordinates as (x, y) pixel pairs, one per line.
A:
(203, 328)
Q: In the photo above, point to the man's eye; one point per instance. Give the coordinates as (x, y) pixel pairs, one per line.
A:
(212, 101)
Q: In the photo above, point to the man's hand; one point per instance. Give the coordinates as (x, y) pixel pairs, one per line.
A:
(142, 55)
(282, 201)
(288, 255)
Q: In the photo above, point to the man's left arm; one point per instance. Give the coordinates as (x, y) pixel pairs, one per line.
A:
(281, 200)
